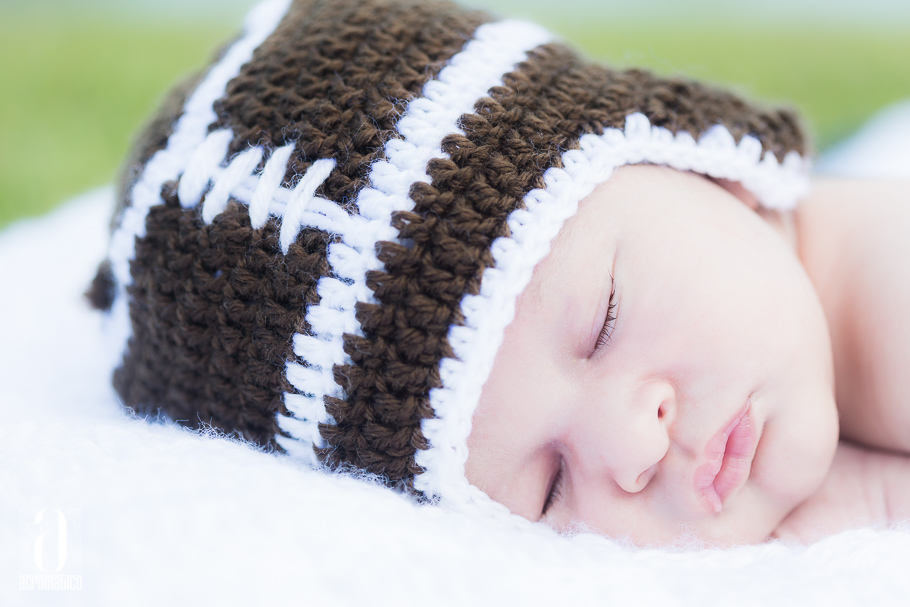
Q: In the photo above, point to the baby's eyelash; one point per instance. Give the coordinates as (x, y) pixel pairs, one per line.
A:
(607, 329)
(555, 492)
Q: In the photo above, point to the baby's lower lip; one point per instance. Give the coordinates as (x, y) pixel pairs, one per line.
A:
(730, 453)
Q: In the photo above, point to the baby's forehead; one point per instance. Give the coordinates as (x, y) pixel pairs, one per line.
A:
(633, 195)
(584, 245)
(597, 215)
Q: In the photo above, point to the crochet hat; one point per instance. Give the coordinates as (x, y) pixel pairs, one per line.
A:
(321, 239)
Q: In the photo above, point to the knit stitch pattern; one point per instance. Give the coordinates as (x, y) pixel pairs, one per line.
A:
(514, 136)
(242, 261)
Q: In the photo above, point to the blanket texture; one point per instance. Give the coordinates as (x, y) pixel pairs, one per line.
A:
(99, 508)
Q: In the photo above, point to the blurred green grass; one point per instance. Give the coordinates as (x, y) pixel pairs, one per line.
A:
(835, 76)
(73, 94)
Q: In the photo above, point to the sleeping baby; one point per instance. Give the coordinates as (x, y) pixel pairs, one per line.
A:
(400, 239)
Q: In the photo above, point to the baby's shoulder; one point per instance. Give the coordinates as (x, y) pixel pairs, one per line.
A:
(882, 309)
(866, 296)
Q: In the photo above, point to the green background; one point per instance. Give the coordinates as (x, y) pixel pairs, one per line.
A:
(76, 84)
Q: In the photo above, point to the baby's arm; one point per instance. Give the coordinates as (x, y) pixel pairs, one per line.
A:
(864, 487)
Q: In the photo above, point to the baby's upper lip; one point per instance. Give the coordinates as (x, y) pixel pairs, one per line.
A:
(728, 462)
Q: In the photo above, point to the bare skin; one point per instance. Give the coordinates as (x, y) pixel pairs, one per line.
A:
(561, 435)
(853, 241)
(864, 487)
(621, 423)
(855, 245)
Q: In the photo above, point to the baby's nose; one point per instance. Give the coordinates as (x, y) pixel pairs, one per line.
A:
(647, 435)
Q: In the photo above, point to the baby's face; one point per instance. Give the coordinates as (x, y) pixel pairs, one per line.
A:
(668, 372)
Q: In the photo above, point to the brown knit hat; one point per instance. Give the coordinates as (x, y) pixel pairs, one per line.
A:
(321, 239)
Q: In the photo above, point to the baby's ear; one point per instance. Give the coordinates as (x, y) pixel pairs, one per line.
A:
(737, 189)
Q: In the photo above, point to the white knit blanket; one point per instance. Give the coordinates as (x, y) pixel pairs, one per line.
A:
(158, 515)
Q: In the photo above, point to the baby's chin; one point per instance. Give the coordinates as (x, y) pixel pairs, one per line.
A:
(695, 536)
(686, 536)
(750, 516)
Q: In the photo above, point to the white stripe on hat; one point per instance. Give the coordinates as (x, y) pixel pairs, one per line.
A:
(494, 51)
(189, 134)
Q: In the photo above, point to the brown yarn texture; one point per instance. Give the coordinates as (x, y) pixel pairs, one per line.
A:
(515, 135)
(214, 307)
(336, 77)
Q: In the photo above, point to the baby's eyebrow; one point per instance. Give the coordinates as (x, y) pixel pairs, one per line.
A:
(491, 457)
(496, 461)
(533, 295)
(535, 292)
(487, 471)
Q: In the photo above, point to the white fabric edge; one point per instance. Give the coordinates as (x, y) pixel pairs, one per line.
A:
(494, 51)
(189, 133)
(777, 185)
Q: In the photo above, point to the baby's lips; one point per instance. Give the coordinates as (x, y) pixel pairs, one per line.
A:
(738, 456)
(729, 460)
